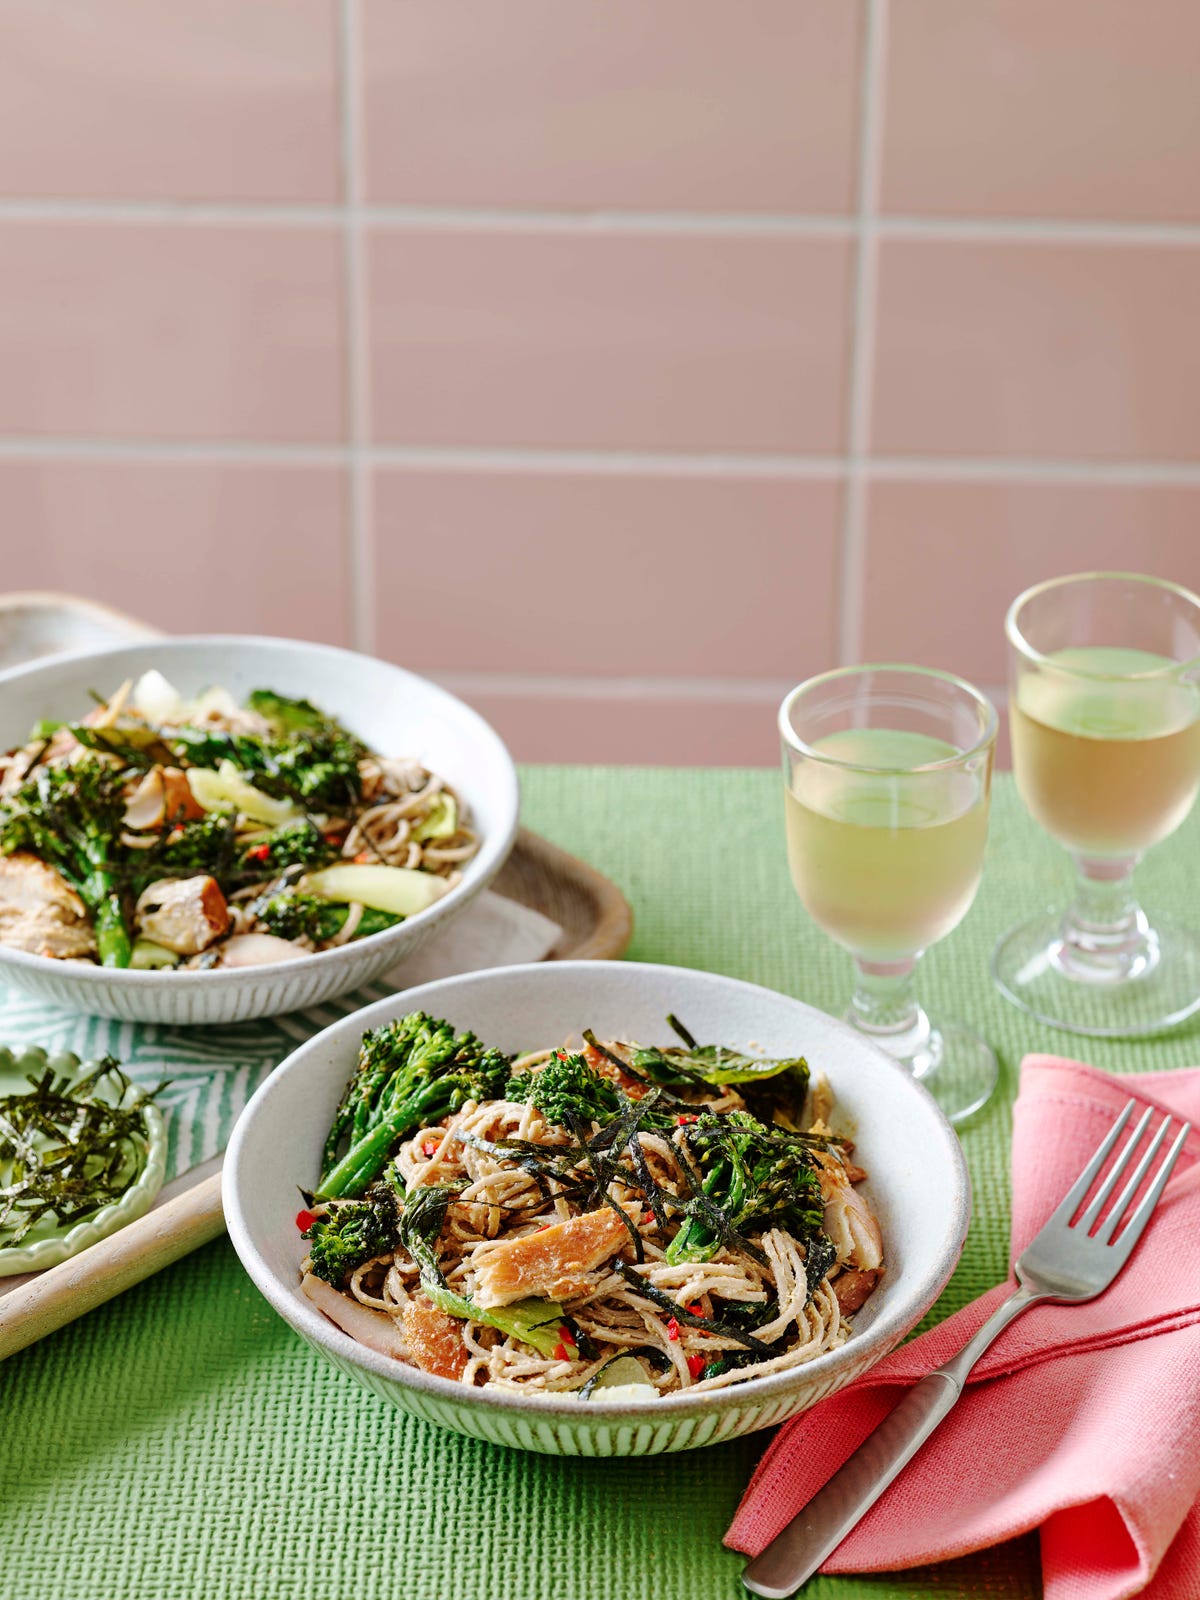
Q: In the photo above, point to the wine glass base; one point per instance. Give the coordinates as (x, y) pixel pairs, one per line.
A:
(1035, 968)
(961, 1071)
(958, 1067)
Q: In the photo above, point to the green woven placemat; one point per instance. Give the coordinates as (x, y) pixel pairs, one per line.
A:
(181, 1444)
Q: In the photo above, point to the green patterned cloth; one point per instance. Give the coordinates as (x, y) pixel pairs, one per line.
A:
(210, 1072)
(181, 1444)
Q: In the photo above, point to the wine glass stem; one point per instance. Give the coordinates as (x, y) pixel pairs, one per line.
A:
(1104, 935)
(884, 1007)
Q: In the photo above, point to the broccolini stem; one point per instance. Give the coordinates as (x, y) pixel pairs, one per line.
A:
(100, 894)
(366, 1158)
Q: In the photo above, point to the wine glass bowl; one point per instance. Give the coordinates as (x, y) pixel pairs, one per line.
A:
(887, 780)
(1104, 686)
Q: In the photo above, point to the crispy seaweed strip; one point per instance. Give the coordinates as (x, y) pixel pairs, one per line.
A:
(602, 1172)
(724, 1330)
(654, 1195)
(678, 1028)
(603, 1050)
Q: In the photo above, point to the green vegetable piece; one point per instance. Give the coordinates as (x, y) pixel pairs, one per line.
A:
(621, 1372)
(298, 843)
(775, 1089)
(184, 849)
(150, 957)
(752, 1178)
(439, 822)
(349, 1233)
(284, 715)
(410, 1072)
(565, 1088)
(290, 914)
(71, 817)
(402, 891)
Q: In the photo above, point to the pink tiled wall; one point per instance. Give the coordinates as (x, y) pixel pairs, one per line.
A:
(617, 365)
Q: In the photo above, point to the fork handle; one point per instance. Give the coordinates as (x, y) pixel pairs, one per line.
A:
(815, 1532)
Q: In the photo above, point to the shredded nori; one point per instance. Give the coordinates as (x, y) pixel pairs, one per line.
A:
(691, 1319)
(66, 1150)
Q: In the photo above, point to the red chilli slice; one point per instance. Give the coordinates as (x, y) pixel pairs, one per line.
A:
(305, 1220)
(560, 1352)
(696, 1365)
(673, 1329)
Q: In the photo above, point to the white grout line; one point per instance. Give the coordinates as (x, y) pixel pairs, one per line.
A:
(862, 335)
(726, 690)
(233, 452)
(357, 354)
(188, 213)
(173, 213)
(650, 463)
(934, 469)
(999, 469)
(1038, 230)
(747, 225)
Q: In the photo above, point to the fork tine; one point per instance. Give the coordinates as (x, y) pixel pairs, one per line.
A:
(1106, 1188)
(1078, 1190)
(1112, 1221)
(1141, 1216)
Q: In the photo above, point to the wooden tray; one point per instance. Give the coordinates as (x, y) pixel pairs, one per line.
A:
(596, 922)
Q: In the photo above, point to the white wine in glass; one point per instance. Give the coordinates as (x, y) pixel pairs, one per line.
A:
(886, 863)
(1107, 742)
(1105, 709)
(887, 774)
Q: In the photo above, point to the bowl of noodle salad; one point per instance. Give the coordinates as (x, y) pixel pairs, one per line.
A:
(596, 1208)
(206, 830)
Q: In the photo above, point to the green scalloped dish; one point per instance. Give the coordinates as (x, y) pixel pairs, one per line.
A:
(50, 1241)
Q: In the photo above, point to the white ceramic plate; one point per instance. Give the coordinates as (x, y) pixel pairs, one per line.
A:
(395, 712)
(918, 1185)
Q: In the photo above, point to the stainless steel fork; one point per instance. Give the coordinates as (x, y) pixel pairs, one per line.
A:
(1064, 1263)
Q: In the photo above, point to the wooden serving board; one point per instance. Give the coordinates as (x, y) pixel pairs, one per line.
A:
(597, 923)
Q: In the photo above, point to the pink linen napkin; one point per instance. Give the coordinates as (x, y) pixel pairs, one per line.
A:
(1083, 1421)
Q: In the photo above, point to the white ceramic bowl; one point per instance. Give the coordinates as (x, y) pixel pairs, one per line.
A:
(395, 712)
(918, 1185)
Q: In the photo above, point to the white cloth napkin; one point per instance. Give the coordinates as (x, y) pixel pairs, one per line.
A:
(494, 932)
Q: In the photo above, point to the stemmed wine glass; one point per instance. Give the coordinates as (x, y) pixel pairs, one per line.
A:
(887, 774)
(1104, 685)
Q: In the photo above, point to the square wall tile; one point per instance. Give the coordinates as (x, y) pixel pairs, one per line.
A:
(608, 341)
(195, 100)
(632, 730)
(618, 575)
(191, 547)
(175, 331)
(945, 560)
(1079, 108)
(680, 105)
(1043, 350)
